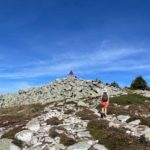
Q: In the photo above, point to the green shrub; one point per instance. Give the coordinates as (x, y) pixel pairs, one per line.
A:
(139, 83)
(115, 84)
(128, 99)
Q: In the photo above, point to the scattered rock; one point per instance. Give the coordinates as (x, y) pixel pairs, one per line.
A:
(33, 125)
(84, 134)
(61, 90)
(80, 103)
(99, 147)
(84, 145)
(147, 137)
(115, 124)
(123, 118)
(135, 122)
(24, 136)
(6, 144)
(59, 147)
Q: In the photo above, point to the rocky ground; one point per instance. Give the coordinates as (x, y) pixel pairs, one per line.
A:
(70, 127)
(65, 89)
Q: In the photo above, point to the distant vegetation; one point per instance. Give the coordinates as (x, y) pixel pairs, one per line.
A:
(115, 84)
(139, 83)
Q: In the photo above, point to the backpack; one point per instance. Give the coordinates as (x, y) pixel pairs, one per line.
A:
(104, 97)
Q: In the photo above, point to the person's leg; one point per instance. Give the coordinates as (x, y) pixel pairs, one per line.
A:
(102, 112)
(105, 110)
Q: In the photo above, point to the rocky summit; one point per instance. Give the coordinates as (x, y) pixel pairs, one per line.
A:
(66, 89)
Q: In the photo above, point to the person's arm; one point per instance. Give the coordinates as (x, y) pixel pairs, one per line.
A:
(108, 99)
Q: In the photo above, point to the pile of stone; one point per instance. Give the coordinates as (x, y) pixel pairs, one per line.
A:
(66, 89)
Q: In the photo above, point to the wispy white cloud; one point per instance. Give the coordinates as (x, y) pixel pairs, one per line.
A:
(99, 60)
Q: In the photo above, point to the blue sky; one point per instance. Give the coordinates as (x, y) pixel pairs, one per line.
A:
(42, 40)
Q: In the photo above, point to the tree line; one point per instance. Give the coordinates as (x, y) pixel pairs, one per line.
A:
(138, 83)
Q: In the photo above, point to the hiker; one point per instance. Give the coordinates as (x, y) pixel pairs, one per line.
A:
(104, 103)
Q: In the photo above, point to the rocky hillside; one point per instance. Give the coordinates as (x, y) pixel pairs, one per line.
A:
(66, 89)
(72, 127)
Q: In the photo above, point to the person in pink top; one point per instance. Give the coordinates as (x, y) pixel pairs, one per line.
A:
(104, 103)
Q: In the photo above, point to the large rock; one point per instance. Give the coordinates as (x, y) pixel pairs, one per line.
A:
(147, 137)
(6, 144)
(135, 122)
(84, 145)
(33, 125)
(83, 134)
(123, 118)
(99, 147)
(24, 136)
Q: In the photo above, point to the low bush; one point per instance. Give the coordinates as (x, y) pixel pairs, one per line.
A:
(86, 114)
(69, 111)
(54, 121)
(145, 121)
(112, 138)
(97, 124)
(53, 133)
(67, 141)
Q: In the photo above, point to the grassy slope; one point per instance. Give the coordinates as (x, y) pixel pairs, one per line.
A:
(128, 99)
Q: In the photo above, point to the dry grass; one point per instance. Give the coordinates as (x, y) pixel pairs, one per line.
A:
(20, 115)
(86, 114)
(10, 134)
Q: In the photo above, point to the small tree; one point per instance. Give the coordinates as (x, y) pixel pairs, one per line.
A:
(114, 84)
(139, 83)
